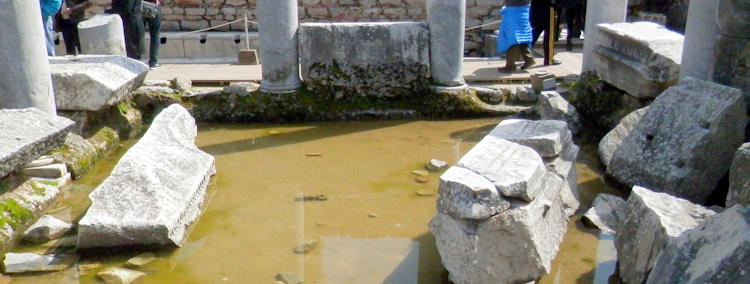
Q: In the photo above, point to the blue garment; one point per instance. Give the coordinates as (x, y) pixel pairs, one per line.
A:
(49, 7)
(49, 35)
(514, 29)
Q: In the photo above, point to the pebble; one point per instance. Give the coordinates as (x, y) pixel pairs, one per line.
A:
(306, 246)
(421, 179)
(141, 260)
(425, 192)
(313, 154)
(435, 165)
(421, 173)
(372, 215)
(273, 132)
(312, 197)
(288, 278)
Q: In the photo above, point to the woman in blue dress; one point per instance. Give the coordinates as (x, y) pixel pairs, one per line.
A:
(514, 37)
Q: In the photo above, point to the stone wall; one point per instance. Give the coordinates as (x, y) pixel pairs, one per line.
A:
(187, 15)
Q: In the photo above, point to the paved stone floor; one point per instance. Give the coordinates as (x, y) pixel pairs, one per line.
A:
(475, 69)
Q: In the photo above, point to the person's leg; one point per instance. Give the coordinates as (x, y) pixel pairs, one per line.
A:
(140, 33)
(48, 35)
(510, 59)
(153, 30)
(76, 39)
(528, 59)
(130, 35)
(68, 30)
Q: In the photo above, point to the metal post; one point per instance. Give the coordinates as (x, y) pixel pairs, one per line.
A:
(247, 35)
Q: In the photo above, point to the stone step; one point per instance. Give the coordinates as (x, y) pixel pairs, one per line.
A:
(27, 134)
(48, 171)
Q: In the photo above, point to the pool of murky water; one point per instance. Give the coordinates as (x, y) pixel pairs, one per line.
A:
(372, 228)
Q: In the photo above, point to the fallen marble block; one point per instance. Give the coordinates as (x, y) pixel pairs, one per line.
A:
(605, 213)
(515, 170)
(652, 220)
(31, 262)
(641, 58)
(739, 178)
(514, 246)
(27, 134)
(551, 105)
(94, 82)
(547, 137)
(48, 171)
(391, 61)
(564, 167)
(717, 251)
(154, 192)
(612, 140)
(464, 194)
(685, 142)
(45, 229)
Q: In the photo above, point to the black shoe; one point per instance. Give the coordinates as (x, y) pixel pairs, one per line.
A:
(528, 64)
(506, 70)
(154, 66)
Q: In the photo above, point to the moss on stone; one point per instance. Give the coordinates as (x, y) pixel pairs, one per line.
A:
(14, 214)
(38, 189)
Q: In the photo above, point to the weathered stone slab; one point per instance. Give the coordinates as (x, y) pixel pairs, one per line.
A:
(31, 262)
(41, 161)
(612, 140)
(94, 82)
(102, 34)
(739, 178)
(515, 246)
(564, 167)
(551, 105)
(48, 171)
(651, 222)
(154, 192)
(464, 194)
(46, 229)
(547, 137)
(641, 58)
(717, 251)
(515, 170)
(27, 134)
(605, 213)
(685, 141)
(364, 59)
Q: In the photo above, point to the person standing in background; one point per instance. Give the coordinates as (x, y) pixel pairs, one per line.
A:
(132, 20)
(514, 36)
(49, 9)
(70, 15)
(540, 22)
(154, 24)
(575, 11)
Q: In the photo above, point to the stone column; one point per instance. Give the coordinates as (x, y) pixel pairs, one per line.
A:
(277, 25)
(446, 19)
(599, 12)
(717, 43)
(102, 34)
(25, 75)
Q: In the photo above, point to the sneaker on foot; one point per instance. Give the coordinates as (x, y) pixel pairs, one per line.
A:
(154, 66)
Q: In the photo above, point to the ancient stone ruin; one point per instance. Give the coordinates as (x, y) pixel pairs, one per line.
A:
(503, 210)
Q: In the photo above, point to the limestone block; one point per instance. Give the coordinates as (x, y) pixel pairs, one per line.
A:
(78, 154)
(103, 34)
(551, 105)
(27, 134)
(48, 171)
(730, 66)
(515, 246)
(651, 222)
(41, 161)
(515, 170)
(739, 178)
(463, 194)
(564, 167)
(31, 262)
(45, 229)
(364, 59)
(181, 83)
(154, 192)
(717, 251)
(56, 182)
(685, 141)
(547, 137)
(641, 58)
(612, 140)
(94, 82)
(606, 212)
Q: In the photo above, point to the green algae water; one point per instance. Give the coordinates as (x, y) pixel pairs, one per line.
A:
(370, 224)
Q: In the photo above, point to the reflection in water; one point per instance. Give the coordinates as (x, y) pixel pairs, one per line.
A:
(252, 223)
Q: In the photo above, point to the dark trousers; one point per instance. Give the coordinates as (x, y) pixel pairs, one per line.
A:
(134, 34)
(518, 51)
(70, 36)
(153, 30)
(575, 17)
